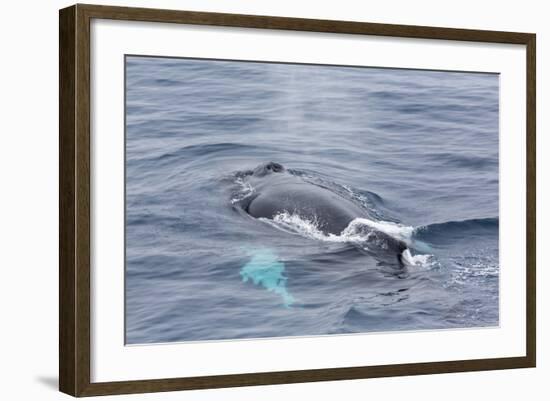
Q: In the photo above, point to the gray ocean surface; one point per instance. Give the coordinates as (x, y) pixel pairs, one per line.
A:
(417, 149)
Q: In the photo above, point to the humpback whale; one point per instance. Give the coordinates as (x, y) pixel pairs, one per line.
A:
(276, 191)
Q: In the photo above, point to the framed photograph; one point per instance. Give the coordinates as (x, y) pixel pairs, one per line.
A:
(250, 200)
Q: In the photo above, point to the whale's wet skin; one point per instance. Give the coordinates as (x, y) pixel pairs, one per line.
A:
(371, 160)
(293, 202)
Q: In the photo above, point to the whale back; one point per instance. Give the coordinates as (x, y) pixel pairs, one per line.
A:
(330, 212)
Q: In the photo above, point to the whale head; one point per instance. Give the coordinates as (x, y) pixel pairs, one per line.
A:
(268, 168)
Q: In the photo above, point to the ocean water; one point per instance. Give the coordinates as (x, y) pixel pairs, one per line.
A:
(417, 150)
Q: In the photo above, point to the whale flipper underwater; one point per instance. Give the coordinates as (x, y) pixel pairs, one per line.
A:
(277, 192)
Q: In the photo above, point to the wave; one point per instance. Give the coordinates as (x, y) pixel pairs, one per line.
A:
(192, 152)
(438, 232)
(473, 162)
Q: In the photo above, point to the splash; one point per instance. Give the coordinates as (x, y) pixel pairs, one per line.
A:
(296, 224)
(244, 191)
(360, 231)
(266, 270)
(420, 261)
(395, 230)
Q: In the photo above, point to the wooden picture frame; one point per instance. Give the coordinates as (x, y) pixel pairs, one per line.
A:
(75, 198)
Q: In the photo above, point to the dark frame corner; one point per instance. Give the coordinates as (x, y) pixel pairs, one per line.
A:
(74, 199)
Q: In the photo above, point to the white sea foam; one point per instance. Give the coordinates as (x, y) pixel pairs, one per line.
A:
(418, 261)
(303, 226)
(395, 230)
(245, 190)
(358, 231)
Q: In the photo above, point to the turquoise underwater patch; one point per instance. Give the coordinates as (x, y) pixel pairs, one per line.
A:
(265, 269)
